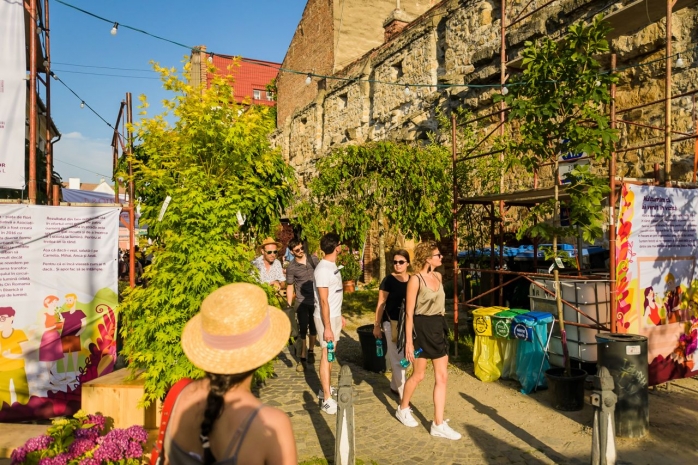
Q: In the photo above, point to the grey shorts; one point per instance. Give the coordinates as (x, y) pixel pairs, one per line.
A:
(335, 322)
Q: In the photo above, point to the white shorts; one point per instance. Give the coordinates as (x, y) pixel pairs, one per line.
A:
(335, 322)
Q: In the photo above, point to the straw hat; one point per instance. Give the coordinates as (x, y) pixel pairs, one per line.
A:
(235, 331)
(269, 240)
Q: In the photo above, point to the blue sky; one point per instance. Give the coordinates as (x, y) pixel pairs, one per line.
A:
(259, 29)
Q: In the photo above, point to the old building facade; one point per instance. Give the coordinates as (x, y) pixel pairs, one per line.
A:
(393, 90)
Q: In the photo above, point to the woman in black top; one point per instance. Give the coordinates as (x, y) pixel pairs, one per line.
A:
(391, 298)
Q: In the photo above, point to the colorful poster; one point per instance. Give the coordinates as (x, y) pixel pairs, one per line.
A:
(13, 94)
(58, 297)
(657, 283)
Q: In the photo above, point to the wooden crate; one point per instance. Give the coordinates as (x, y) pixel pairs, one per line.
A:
(117, 398)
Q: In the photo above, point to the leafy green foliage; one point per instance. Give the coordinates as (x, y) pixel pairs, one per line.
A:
(351, 270)
(557, 106)
(406, 185)
(213, 161)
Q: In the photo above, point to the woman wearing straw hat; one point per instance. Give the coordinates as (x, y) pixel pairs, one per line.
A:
(217, 419)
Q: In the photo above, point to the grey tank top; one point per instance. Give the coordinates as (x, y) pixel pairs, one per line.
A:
(430, 302)
(178, 456)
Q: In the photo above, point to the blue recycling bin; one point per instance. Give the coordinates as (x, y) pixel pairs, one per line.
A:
(531, 331)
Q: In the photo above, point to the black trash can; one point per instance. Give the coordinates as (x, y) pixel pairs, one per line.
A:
(372, 362)
(625, 357)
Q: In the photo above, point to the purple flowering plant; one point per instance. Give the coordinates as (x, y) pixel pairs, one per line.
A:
(79, 441)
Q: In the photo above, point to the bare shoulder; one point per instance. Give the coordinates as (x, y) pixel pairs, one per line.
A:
(438, 276)
(274, 418)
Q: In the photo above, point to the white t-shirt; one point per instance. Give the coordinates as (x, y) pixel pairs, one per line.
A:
(327, 275)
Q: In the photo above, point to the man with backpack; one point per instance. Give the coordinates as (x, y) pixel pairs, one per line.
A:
(299, 280)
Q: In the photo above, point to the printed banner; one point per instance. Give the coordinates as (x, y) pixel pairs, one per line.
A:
(656, 281)
(13, 94)
(58, 297)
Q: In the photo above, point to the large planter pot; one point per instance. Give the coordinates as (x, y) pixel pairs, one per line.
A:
(566, 392)
(349, 286)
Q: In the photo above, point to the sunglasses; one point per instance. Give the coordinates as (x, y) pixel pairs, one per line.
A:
(399, 262)
(437, 255)
(270, 252)
(298, 250)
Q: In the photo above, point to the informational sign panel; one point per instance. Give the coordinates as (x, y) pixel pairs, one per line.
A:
(657, 285)
(58, 297)
(13, 94)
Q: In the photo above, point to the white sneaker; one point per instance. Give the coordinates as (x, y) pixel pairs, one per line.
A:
(321, 393)
(405, 417)
(444, 431)
(329, 407)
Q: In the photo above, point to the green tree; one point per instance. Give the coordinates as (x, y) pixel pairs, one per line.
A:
(216, 165)
(406, 186)
(558, 107)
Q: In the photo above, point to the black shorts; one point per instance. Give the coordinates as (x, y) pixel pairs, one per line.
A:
(304, 314)
(431, 336)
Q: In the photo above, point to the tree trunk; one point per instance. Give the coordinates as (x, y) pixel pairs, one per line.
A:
(381, 246)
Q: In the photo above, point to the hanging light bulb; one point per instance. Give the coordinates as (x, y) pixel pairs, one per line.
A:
(308, 79)
(210, 57)
(115, 29)
(505, 91)
(680, 63)
(407, 91)
(82, 104)
(45, 64)
(597, 83)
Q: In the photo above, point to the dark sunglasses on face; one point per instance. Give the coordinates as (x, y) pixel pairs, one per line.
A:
(399, 262)
(437, 255)
(298, 250)
(270, 252)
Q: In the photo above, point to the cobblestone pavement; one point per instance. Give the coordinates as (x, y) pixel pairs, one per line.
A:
(499, 425)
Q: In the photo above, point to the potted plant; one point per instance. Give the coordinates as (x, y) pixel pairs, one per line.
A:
(349, 267)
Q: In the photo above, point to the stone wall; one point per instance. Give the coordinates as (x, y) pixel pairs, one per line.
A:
(458, 43)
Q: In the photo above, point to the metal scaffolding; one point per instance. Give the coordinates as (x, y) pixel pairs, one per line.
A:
(625, 20)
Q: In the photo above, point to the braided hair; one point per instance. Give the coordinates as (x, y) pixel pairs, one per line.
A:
(218, 386)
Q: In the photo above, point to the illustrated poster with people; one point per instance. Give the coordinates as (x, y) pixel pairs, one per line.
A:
(657, 283)
(58, 297)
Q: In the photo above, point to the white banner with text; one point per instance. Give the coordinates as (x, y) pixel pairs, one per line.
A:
(13, 95)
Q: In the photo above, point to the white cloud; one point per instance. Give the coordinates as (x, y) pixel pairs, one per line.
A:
(80, 156)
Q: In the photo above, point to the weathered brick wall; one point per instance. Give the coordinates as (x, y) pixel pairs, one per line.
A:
(310, 50)
(457, 42)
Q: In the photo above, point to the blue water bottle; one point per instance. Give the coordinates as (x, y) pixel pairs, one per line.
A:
(330, 351)
(379, 347)
(405, 363)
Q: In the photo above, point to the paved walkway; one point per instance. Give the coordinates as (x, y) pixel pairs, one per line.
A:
(499, 425)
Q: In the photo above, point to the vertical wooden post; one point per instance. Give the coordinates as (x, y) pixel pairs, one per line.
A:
(49, 145)
(502, 119)
(667, 96)
(454, 154)
(131, 190)
(612, 208)
(32, 102)
(56, 197)
(344, 448)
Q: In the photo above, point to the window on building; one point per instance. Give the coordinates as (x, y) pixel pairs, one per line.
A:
(270, 96)
(257, 94)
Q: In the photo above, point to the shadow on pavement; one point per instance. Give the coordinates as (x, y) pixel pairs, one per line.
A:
(494, 448)
(520, 433)
(320, 423)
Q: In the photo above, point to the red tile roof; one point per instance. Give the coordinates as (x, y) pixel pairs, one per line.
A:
(249, 77)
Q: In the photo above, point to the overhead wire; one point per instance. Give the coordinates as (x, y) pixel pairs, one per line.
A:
(105, 74)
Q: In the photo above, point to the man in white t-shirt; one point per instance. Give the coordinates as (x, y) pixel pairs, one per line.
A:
(328, 313)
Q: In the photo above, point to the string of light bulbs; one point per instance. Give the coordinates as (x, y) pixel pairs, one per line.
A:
(680, 63)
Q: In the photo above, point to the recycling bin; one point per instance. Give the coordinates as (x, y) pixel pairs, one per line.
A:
(531, 331)
(501, 327)
(487, 356)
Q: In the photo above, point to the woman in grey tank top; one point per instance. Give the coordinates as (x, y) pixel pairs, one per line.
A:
(426, 329)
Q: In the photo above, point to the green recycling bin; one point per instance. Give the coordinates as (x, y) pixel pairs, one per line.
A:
(501, 329)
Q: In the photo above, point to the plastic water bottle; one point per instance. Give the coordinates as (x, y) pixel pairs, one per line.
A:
(379, 347)
(330, 351)
(405, 363)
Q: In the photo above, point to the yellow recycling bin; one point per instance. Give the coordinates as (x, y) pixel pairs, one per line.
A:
(487, 355)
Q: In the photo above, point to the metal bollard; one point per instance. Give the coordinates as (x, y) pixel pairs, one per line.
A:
(344, 438)
(602, 398)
